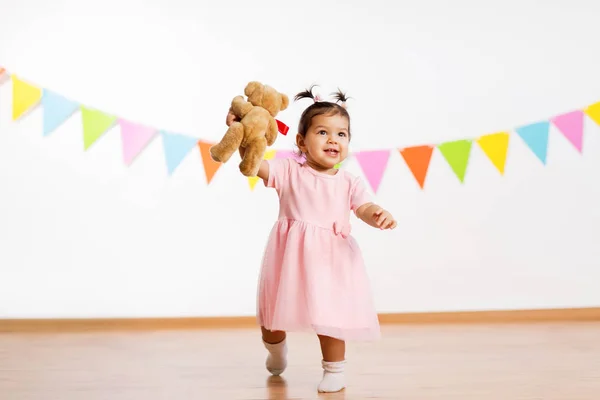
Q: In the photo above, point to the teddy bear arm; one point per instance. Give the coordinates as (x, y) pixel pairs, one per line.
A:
(240, 107)
(229, 144)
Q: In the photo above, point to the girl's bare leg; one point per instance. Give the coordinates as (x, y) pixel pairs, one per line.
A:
(275, 343)
(334, 360)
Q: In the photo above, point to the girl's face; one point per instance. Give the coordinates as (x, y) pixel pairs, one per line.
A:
(326, 142)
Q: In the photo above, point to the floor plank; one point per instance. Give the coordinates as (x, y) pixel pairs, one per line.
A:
(431, 362)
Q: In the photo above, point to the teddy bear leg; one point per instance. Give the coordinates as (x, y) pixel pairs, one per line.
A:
(272, 132)
(255, 151)
(229, 144)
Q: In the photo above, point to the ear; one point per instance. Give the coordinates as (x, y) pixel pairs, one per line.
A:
(285, 102)
(300, 143)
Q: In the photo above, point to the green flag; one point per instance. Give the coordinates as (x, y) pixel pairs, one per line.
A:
(95, 124)
(457, 154)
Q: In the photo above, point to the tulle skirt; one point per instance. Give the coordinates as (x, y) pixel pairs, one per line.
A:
(313, 279)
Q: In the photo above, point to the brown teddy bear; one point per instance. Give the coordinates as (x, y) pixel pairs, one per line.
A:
(254, 127)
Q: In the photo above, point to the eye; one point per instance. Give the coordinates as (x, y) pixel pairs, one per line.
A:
(343, 134)
(322, 132)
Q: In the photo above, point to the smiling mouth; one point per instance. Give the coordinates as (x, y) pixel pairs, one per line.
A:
(332, 152)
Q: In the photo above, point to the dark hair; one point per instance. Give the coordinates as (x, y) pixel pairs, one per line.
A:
(321, 108)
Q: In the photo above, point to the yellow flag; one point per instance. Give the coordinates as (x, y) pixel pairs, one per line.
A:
(593, 111)
(495, 146)
(252, 180)
(25, 96)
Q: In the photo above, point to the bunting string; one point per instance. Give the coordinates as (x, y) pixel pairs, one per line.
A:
(136, 137)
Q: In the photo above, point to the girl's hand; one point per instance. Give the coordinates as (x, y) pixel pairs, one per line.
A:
(231, 118)
(382, 219)
(376, 216)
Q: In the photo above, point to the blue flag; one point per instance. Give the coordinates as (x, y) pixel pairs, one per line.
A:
(57, 109)
(535, 137)
(176, 147)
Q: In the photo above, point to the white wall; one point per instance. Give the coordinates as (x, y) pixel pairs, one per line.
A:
(82, 235)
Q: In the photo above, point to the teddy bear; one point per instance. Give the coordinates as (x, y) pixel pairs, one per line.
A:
(254, 128)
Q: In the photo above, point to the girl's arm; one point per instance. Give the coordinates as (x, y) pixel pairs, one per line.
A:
(376, 216)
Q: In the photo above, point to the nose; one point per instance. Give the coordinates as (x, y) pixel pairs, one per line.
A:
(332, 139)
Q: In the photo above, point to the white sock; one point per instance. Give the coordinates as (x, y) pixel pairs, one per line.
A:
(277, 358)
(333, 377)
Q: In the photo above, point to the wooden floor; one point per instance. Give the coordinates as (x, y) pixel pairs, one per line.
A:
(462, 362)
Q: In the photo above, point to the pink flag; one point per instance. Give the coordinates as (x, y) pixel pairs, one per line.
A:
(134, 138)
(571, 126)
(289, 154)
(373, 164)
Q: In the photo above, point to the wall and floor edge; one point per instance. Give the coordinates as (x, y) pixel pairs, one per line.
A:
(591, 314)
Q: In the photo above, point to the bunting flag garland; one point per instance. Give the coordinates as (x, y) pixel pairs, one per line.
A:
(593, 111)
(571, 126)
(373, 164)
(24, 96)
(57, 109)
(210, 166)
(457, 153)
(495, 147)
(417, 159)
(95, 124)
(289, 154)
(175, 147)
(135, 137)
(536, 137)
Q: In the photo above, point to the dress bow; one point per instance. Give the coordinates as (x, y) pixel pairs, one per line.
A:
(342, 228)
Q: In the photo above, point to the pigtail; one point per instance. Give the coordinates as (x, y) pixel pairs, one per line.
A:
(307, 94)
(340, 97)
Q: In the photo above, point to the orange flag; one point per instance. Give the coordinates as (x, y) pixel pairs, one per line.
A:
(417, 159)
(210, 166)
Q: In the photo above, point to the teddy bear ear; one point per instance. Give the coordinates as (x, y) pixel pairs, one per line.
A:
(285, 101)
(251, 87)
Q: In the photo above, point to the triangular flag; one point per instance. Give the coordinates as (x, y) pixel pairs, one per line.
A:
(593, 111)
(535, 137)
(571, 126)
(134, 138)
(289, 154)
(210, 166)
(176, 146)
(495, 146)
(95, 124)
(25, 96)
(457, 154)
(417, 158)
(269, 155)
(373, 164)
(57, 109)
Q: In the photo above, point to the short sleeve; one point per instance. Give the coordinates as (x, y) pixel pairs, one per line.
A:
(358, 194)
(279, 170)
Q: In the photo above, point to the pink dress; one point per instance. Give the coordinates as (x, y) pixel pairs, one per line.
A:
(313, 277)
